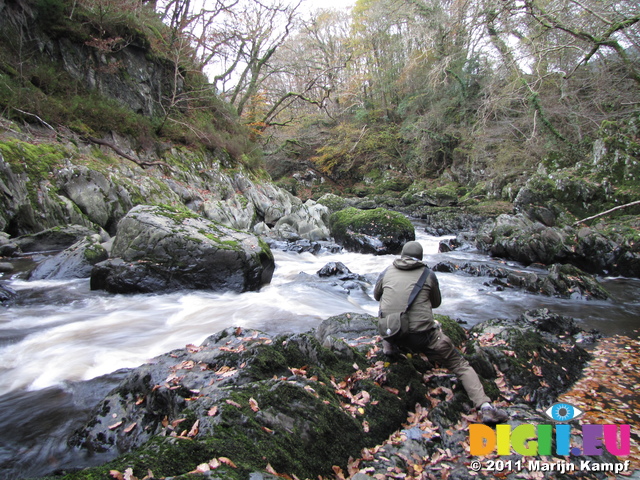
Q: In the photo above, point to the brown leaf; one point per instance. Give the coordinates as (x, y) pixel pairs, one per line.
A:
(213, 411)
(302, 371)
(338, 471)
(227, 461)
(177, 422)
(192, 348)
(254, 405)
(115, 425)
(128, 474)
(194, 429)
(235, 404)
(202, 468)
(130, 427)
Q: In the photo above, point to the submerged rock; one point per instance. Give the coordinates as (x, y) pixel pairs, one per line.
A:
(163, 249)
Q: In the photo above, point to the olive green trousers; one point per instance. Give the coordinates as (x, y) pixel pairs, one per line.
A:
(439, 349)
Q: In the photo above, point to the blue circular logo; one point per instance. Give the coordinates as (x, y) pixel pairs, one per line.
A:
(563, 412)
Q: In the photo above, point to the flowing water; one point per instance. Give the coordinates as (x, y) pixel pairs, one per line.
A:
(62, 333)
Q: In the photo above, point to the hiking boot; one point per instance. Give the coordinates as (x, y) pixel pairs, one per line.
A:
(390, 349)
(491, 415)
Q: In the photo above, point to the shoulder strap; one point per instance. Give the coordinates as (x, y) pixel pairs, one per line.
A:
(417, 287)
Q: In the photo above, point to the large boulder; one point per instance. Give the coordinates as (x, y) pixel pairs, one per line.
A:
(287, 404)
(163, 249)
(248, 405)
(269, 211)
(378, 231)
(96, 195)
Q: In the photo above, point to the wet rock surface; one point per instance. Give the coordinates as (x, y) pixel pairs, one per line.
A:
(563, 281)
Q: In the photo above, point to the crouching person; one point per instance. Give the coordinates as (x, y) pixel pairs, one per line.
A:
(393, 290)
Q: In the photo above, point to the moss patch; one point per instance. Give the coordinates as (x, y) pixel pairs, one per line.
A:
(370, 222)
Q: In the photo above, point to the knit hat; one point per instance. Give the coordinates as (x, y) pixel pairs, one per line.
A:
(412, 249)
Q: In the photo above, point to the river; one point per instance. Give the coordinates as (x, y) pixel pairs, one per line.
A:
(62, 347)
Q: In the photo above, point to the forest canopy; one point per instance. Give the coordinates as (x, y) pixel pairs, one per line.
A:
(467, 90)
(428, 86)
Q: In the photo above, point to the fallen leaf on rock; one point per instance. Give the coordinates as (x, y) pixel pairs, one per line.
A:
(115, 425)
(130, 427)
(128, 474)
(202, 468)
(213, 411)
(177, 422)
(227, 461)
(302, 371)
(239, 349)
(194, 429)
(338, 472)
(311, 390)
(225, 371)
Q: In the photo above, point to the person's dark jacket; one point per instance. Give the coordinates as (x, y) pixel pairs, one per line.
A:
(394, 287)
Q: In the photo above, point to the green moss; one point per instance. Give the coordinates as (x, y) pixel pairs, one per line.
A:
(38, 161)
(95, 253)
(265, 249)
(333, 202)
(178, 213)
(369, 221)
(450, 328)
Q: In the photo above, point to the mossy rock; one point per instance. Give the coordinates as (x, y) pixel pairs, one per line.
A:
(288, 402)
(378, 231)
(535, 364)
(164, 248)
(333, 202)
